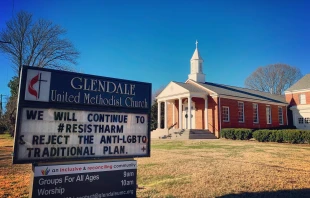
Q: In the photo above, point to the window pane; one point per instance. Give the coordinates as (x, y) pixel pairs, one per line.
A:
(225, 113)
(280, 115)
(302, 99)
(268, 114)
(240, 112)
(255, 113)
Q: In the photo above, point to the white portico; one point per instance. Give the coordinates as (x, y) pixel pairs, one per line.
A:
(180, 96)
(183, 98)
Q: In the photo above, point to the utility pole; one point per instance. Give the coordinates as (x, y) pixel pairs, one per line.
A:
(1, 106)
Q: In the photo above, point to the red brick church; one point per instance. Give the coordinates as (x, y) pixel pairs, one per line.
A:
(215, 106)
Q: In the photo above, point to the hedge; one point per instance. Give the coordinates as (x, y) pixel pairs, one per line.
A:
(294, 136)
(236, 133)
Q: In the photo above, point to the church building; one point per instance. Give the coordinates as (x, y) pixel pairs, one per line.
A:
(198, 106)
(298, 96)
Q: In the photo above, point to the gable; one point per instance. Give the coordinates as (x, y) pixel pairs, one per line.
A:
(302, 84)
(172, 89)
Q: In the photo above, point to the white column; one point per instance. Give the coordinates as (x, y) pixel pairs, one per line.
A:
(165, 124)
(189, 114)
(173, 114)
(180, 113)
(158, 114)
(206, 113)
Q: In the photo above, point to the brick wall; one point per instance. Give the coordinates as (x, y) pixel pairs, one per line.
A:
(249, 115)
(213, 122)
(293, 98)
(169, 114)
(213, 117)
(199, 113)
(170, 105)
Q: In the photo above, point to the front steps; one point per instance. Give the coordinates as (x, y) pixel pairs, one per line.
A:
(182, 134)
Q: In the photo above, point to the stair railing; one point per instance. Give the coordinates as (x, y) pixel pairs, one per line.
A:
(171, 128)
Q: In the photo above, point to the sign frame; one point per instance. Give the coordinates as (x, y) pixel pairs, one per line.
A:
(22, 103)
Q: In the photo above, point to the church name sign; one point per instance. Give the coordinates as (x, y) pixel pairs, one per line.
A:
(65, 116)
(79, 89)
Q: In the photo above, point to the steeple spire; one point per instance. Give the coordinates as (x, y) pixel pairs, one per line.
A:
(196, 55)
(196, 72)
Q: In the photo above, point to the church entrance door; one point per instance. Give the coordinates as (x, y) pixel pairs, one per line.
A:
(186, 116)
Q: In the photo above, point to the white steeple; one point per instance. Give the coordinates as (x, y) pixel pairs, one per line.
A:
(196, 67)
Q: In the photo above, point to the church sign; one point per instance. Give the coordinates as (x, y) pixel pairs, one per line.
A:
(65, 116)
(107, 179)
(58, 87)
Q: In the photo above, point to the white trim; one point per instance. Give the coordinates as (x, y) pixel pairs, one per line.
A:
(166, 116)
(182, 95)
(243, 120)
(180, 114)
(158, 114)
(269, 114)
(189, 113)
(297, 91)
(300, 107)
(206, 113)
(228, 113)
(253, 100)
(220, 126)
(257, 113)
(214, 95)
(173, 114)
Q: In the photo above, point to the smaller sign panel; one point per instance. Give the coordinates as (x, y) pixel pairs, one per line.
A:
(110, 179)
(63, 135)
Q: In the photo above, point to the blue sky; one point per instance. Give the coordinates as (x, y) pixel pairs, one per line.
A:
(153, 41)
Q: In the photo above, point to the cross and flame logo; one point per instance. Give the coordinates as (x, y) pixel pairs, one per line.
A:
(38, 85)
(33, 81)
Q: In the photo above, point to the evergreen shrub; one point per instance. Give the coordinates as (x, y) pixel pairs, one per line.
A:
(236, 133)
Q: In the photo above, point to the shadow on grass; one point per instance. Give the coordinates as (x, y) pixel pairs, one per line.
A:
(272, 194)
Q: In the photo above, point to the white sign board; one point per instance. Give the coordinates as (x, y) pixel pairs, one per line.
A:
(69, 134)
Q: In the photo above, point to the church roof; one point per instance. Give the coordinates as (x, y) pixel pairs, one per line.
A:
(303, 83)
(226, 90)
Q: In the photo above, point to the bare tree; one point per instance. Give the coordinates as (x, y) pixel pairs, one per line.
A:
(156, 93)
(36, 43)
(275, 78)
